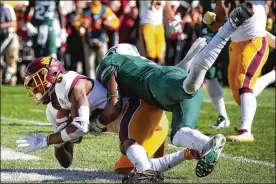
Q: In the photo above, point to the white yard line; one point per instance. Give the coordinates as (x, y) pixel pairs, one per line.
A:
(229, 102)
(37, 110)
(58, 175)
(26, 121)
(9, 154)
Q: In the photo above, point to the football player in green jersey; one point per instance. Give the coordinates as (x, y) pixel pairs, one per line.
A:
(172, 89)
(41, 29)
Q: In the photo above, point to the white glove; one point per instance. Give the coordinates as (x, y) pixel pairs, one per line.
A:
(63, 36)
(209, 18)
(32, 143)
(96, 128)
(175, 25)
(31, 30)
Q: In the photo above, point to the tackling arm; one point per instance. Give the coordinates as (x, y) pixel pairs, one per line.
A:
(114, 105)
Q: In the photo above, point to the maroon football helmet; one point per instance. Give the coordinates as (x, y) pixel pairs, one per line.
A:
(40, 78)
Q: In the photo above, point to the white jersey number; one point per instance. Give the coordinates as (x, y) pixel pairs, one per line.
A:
(43, 12)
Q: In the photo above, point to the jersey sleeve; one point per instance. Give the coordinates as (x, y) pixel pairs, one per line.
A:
(106, 73)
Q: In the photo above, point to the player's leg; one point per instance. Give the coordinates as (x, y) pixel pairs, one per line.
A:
(131, 148)
(64, 154)
(150, 140)
(264, 81)
(159, 42)
(147, 31)
(254, 57)
(184, 120)
(206, 58)
(51, 43)
(215, 94)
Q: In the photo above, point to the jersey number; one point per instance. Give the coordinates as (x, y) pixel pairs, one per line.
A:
(43, 12)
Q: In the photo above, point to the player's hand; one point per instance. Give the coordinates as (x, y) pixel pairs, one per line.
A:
(96, 128)
(175, 25)
(63, 36)
(209, 18)
(58, 129)
(31, 30)
(31, 143)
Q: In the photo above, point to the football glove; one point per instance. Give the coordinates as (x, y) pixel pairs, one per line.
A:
(96, 128)
(209, 18)
(31, 143)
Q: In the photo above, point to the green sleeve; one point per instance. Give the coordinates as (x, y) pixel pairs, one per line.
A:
(106, 73)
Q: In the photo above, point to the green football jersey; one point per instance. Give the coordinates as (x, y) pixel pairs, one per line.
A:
(44, 11)
(141, 78)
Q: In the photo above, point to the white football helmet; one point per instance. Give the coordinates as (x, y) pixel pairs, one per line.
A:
(123, 48)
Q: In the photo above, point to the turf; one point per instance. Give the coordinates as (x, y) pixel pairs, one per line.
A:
(100, 153)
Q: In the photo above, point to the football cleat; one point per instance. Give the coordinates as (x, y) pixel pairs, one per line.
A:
(240, 14)
(210, 155)
(222, 122)
(242, 136)
(144, 177)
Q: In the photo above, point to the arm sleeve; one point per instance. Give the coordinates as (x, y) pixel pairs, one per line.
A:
(106, 73)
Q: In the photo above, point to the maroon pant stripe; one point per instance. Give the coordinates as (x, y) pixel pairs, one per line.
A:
(253, 67)
(134, 104)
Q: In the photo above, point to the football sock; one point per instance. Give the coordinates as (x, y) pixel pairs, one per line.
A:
(216, 96)
(264, 81)
(190, 138)
(206, 58)
(138, 157)
(248, 109)
(167, 162)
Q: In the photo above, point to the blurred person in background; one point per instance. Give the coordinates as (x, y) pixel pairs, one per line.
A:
(9, 44)
(128, 32)
(151, 43)
(98, 20)
(113, 35)
(74, 50)
(41, 27)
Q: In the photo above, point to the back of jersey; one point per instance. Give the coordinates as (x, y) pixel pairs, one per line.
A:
(44, 12)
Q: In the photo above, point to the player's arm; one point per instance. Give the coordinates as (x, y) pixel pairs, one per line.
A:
(214, 20)
(114, 104)
(80, 115)
(61, 17)
(28, 9)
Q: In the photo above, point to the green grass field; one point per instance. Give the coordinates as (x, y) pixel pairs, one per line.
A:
(95, 156)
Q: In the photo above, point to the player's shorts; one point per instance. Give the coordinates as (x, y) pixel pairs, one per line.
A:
(246, 60)
(146, 124)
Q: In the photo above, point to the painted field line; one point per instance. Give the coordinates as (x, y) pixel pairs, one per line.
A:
(9, 154)
(58, 175)
(37, 110)
(269, 164)
(26, 121)
(237, 158)
(229, 102)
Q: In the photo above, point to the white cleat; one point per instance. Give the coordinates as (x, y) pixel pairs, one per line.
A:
(242, 136)
(210, 155)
